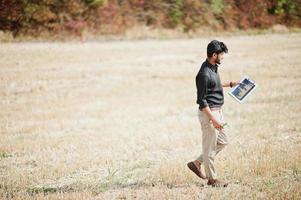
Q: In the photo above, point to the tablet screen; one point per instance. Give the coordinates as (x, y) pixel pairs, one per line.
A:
(243, 89)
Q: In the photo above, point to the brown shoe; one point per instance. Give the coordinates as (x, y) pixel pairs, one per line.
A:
(196, 169)
(217, 183)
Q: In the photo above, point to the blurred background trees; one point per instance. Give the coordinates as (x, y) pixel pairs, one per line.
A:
(34, 17)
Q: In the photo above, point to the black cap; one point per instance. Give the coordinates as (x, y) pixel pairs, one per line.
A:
(216, 47)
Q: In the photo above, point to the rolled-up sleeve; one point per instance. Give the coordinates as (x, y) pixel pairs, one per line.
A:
(202, 89)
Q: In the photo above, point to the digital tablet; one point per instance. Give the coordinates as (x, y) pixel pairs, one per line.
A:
(243, 89)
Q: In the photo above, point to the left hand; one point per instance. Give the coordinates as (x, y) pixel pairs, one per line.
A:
(235, 83)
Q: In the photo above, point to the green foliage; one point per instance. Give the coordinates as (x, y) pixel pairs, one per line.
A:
(284, 6)
(217, 6)
(96, 2)
(176, 13)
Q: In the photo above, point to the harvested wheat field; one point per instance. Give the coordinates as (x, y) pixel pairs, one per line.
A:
(118, 120)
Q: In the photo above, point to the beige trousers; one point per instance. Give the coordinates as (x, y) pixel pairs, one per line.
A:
(213, 141)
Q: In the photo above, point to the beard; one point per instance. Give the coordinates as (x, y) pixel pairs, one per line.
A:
(218, 61)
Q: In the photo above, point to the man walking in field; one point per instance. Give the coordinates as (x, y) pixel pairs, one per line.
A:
(210, 98)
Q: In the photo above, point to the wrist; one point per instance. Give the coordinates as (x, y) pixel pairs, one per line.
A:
(231, 84)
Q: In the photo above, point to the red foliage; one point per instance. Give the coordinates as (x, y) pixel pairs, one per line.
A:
(10, 15)
(246, 14)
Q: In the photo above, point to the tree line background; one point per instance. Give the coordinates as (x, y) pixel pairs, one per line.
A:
(34, 17)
